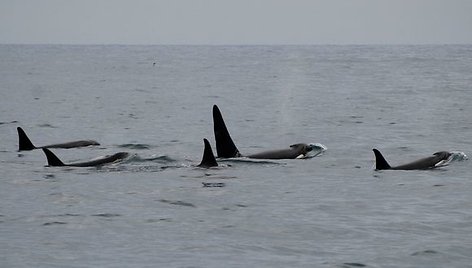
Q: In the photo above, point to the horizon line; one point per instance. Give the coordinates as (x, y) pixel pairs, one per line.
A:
(230, 44)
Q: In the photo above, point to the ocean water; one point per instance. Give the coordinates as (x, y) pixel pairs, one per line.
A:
(155, 209)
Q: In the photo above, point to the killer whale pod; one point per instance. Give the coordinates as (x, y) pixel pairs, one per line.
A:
(226, 148)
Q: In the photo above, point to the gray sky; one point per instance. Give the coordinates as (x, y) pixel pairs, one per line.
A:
(236, 21)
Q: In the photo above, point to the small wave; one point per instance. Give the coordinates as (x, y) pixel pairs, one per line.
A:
(213, 184)
(107, 215)
(135, 146)
(54, 223)
(49, 176)
(46, 126)
(153, 158)
(136, 167)
(352, 264)
(178, 202)
(11, 122)
(158, 220)
(424, 252)
(69, 215)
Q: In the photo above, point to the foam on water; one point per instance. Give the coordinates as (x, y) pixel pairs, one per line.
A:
(455, 156)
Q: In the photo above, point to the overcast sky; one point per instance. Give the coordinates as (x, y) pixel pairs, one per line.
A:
(236, 21)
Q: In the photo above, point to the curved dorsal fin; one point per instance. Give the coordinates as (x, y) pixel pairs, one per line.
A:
(380, 162)
(224, 144)
(208, 159)
(53, 160)
(24, 143)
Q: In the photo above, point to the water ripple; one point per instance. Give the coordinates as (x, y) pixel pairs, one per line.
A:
(178, 203)
(424, 252)
(135, 146)
(352, 264)
(107, 215)
(54, 223)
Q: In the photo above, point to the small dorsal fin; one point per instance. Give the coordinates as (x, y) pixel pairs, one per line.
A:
(380, 162)
(208, 159)
(24, 143)
(224, 144)
(53, 160)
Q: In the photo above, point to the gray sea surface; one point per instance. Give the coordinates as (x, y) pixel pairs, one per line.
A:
(156, 209)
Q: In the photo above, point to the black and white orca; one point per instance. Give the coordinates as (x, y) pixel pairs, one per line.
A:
(208, 159)
(54, 161)
(25, 144)
(226, 148)
(438, 159)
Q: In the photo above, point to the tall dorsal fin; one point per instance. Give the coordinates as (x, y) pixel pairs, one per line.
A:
(208, 159)
(53, 160)
(24, 143)
(224, 144)
(380, 162)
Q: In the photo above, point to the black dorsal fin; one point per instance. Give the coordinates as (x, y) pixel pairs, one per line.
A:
(53, 160)
(24, 143)
(224, 144)
(380, 162)
(208, 159)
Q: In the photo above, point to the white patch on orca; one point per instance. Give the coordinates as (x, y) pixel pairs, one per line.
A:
(316, 149)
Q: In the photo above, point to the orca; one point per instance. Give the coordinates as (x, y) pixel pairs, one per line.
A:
(438, 159)
(25, 143)
(208, 159)
(54, 161)
(295, 151)
(225, 147)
